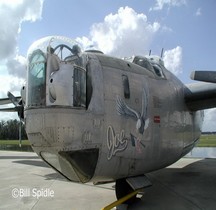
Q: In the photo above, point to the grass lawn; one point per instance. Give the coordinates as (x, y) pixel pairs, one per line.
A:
(207, 141)
(14, 142)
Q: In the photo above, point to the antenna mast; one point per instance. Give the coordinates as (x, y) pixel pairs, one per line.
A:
(149, 52)
(162, 50)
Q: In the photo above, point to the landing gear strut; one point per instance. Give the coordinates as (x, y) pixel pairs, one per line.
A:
(122, 188)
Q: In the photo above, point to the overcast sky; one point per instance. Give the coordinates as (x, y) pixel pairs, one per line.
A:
(184, 28)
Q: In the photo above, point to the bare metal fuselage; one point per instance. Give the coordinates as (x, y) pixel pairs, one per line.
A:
(102, 141)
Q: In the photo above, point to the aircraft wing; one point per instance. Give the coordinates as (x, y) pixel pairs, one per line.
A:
(199, 96)
(11, 99)
(11, 109)
(4, 101)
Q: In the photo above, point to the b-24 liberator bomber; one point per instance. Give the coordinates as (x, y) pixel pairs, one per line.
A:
(93, 117)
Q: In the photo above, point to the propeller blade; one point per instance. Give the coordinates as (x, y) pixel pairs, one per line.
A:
(204, 76)
(18, 103)
(11, 109)
(13, 99)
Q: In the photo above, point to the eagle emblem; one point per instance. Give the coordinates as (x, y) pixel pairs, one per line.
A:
(140, 118)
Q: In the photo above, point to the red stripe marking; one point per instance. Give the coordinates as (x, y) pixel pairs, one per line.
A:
(156, 119)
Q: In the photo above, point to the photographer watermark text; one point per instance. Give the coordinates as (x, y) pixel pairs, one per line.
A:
(34, 192)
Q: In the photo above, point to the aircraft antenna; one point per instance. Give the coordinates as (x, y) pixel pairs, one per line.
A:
(162, 50)
(149, 52)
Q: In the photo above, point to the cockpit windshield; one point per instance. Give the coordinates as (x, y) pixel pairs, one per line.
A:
(152, 63)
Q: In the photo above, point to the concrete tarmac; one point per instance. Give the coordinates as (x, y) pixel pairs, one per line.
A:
(26, 182)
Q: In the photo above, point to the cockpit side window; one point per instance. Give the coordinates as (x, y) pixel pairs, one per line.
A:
(158, 71)
(142, 61)
(150, 65)
(158, 66)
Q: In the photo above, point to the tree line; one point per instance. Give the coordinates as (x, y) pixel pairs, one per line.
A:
(9, 130)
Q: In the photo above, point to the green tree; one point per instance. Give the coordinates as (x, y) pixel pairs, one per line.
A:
(10, 130)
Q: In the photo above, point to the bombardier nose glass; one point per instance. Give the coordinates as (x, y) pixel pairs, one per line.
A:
(37, 78)
(56, 73)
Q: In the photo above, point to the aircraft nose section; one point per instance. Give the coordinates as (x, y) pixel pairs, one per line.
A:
(78, 166)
